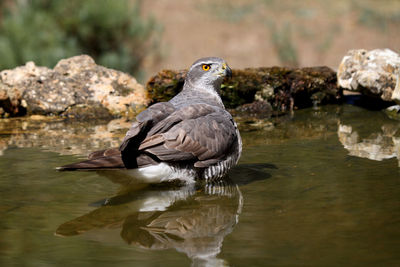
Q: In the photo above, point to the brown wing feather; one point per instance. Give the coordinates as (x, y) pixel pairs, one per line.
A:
(139, 130)
(104, 153)
(146, 120)
(114, 158)
(199, 133)
(204, 138)
(107, 162)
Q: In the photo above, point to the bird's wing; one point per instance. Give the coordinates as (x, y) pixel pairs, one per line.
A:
(117, 158)
(199, 133)
(106, 159)
(104, 153)
(111, 161)
(139, 130)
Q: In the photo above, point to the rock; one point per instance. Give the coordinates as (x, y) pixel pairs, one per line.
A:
(72, 83)
(88, 112)
(283, 88)
(165, 85)
(13, 84)
(253, 116)
(373, 73)
(396, 92)
(258, 109)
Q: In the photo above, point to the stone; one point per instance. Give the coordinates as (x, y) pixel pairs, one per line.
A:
(283, 88)
(373, 73)
(165, 85)
(73, 82)
(258, 109)
(88, 112)
(396, 92)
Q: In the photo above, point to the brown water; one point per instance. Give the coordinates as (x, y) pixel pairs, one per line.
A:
(320, 188)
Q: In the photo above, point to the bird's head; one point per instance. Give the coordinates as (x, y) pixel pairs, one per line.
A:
(208, 73)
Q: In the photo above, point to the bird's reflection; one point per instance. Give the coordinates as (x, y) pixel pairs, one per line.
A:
(196, 226)
(193, 219)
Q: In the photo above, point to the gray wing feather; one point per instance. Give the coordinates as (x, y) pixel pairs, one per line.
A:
(104, 162)
(201, 133)
(185, 113)
(104, 153)
(147, 119)
(139, 130)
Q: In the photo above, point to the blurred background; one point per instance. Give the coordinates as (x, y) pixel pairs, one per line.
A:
(143, 37)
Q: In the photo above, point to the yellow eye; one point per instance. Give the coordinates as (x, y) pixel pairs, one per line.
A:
(206, 67)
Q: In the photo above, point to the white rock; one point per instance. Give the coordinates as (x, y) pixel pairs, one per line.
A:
(370, 72)
(396, 92)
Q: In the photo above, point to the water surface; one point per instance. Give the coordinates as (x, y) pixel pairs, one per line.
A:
(321, 187)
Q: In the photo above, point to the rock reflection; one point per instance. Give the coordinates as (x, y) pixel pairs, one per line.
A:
(193, 219)
(64, 137)
(379, 145)
(73, 137)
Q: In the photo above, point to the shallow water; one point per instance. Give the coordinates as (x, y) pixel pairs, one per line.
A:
(321, 187)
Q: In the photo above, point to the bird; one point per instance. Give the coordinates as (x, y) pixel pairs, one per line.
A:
(191, 137)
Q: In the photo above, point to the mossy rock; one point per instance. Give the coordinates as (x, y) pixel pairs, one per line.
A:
(284, 88)
(88, 112)
(165, 85)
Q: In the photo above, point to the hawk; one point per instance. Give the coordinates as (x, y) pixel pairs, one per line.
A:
(189, 138)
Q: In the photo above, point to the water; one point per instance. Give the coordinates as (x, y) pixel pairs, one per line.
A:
(320, 188)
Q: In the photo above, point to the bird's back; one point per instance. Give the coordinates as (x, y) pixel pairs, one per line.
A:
(190, 137)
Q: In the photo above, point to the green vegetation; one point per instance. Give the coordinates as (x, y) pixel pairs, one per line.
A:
(45, 31)
(381, 20)
(228, 11)
(284, 45)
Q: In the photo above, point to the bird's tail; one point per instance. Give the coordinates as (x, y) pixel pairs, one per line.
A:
(104, 159)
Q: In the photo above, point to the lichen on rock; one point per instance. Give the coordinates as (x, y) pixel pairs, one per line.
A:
(373, 73)
(73, 81)
(284, 88)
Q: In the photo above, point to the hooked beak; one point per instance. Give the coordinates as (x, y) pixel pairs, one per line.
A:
(226, 70)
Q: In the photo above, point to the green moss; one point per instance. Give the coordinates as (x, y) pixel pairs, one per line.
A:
(88, 112)
(284, 88)
(165, 85)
